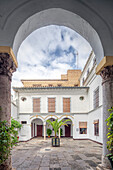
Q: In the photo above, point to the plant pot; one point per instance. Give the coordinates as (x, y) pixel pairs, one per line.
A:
(55, 142)
(48, 136)
(111, 162)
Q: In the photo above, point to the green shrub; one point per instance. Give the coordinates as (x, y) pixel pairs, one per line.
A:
(49, 132)
(110, 134)
(8, 138)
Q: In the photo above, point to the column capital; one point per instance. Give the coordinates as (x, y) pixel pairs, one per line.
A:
(107, 73)
(106, 61)
(7, 65)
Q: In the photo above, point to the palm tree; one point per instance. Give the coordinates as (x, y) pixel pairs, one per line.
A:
(56, 125)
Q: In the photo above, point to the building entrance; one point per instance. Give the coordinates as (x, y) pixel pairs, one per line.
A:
(68, 130)
(39, 130)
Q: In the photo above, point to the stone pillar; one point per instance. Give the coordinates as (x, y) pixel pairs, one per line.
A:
(7, 67)
(107, 83)
(44, 131)
(59, 132)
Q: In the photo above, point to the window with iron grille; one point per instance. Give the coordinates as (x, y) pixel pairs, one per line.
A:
(36, 105)
(23, 122)
(66, 105)
(96, 127)
(51, 104)
(83, 127)
(96, 98)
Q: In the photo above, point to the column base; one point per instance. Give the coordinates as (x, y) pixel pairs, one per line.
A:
(100, 167)
(105, 164)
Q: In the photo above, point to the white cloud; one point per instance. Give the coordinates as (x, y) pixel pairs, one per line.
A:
(49, 52)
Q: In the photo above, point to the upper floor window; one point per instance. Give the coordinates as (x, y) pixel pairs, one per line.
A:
(94, 61)
(36, 104)
(83, 127)
(51, 104)
(37, 85)
(83, 81)
(50, 85)
(96, 127)
(66, 105)
(96, 98)
(75, 85)
(87, 71)
(59, 85)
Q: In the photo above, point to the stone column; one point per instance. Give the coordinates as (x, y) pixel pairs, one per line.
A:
(7, 67)
(44, 131)
(59, 132)
(107, 83)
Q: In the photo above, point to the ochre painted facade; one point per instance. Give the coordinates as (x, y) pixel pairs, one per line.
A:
(70, 79)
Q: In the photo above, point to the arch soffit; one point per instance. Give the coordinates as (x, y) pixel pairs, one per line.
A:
(67, 116)
(58, 16)
(37, 117)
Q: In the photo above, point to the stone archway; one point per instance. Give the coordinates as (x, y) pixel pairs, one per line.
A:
(90, 23)
(37, 128)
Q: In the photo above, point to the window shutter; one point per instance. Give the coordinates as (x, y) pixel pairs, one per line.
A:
(96, 98)
(82, 124)
(51, 104)
(36, 105)
(66, 105)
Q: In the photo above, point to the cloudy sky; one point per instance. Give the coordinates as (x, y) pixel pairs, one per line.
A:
(49, 52)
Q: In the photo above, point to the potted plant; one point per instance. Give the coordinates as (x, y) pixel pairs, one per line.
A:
(110, 136)
(56, 125)
(49, 132)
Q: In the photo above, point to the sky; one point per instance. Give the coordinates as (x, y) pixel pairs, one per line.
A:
(49, 52)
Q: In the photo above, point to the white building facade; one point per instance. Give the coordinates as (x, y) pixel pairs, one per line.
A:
(81, 104)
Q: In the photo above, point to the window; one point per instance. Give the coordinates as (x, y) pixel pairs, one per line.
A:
(83, 81)
(36, 104)
(75, 85)
(66, 105)
(94, 61)
(37, 85)
(87, 71)
(59, 85)
(81, 97)
(96, 127)
(96, 98)
(83, 127)
(51, 104)
(23, 122)
(50, 85)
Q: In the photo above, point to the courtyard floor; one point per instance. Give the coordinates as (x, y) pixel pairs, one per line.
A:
(38, 154)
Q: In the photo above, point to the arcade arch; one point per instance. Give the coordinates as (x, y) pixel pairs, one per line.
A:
(91, 17)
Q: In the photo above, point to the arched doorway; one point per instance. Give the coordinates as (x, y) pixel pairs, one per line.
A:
(67, 131)
(37, 128)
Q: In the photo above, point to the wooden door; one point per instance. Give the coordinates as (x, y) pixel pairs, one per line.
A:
(39, 130)
(68, 131)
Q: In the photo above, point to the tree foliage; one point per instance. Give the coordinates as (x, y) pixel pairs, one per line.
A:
(57, 124)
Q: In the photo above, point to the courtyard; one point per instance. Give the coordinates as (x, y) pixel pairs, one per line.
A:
(38, 154)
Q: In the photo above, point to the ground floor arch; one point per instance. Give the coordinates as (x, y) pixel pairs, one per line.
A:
(67, 131)
(37, 128)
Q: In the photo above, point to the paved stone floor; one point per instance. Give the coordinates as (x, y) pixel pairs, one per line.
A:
(38, 154)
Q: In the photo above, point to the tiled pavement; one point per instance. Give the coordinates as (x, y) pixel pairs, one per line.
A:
(38, 154)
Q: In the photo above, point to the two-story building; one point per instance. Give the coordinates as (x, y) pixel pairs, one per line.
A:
(77, 96)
